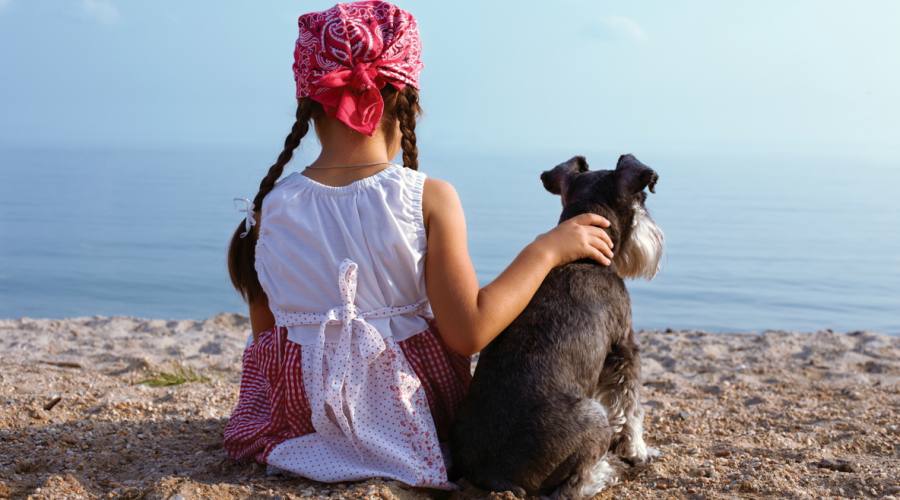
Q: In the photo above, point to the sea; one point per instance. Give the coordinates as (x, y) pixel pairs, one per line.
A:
(753, 241)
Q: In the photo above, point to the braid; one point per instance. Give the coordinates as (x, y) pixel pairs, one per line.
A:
(300, 128)
(407, 112)
(242, 251)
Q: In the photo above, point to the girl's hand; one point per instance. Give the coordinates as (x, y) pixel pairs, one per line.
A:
(577, 238)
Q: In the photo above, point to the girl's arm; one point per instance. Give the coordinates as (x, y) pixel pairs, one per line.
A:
(469, 317)
(261, 318)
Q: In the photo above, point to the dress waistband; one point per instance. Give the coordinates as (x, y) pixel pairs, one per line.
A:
(347, 310)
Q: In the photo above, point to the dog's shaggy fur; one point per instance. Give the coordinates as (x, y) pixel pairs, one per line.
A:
(559, 388)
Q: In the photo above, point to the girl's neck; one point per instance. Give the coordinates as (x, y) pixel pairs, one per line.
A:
(344, 147)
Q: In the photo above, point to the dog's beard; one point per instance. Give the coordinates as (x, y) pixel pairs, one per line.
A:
(642, 256)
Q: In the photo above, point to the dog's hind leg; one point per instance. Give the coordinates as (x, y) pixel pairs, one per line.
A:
(586, 471)
(557, 446)
(620, 391)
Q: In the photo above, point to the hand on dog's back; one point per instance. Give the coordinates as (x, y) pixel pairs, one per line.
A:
(577, 238)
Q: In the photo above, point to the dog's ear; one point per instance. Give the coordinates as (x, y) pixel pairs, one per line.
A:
(633, 176)
(555, 179)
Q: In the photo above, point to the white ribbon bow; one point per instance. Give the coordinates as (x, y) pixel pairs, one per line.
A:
(249, 220)
(354, 329)
(337, 373)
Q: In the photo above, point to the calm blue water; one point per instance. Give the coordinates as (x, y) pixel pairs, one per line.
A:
(752, 243)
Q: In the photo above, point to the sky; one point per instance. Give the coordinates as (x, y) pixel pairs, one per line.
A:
(803, 77)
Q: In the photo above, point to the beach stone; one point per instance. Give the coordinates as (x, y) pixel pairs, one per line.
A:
(211, 348)
(836, 465)
(874, 367)
(706, 471)
(721, 451)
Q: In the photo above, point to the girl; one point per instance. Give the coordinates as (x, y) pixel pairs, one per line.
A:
(363, 300)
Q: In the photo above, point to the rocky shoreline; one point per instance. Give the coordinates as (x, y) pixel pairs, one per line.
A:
(776, 414)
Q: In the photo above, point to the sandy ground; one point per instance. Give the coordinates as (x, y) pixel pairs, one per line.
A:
(739, 415)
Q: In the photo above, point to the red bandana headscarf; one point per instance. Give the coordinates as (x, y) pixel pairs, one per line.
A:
(345, 55)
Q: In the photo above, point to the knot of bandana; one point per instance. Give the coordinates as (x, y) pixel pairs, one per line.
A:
(362, 77)
(345, 55)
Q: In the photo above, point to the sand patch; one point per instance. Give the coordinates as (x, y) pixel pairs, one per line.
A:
(779, 414)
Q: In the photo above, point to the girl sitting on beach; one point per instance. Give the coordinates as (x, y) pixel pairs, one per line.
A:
(364, 303)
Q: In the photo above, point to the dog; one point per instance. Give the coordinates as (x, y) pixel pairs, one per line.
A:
(560, 387)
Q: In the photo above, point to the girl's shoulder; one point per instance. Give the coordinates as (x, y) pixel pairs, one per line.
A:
(439, 200)
(439, 190)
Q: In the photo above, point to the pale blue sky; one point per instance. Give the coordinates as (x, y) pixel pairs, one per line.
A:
(799, 76)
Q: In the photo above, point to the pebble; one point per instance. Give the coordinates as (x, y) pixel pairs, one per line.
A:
(52, 402)
(836, 465)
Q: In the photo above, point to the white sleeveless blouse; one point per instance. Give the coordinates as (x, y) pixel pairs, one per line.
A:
(343, 270)
(308, 228)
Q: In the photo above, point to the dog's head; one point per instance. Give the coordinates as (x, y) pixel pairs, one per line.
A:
(619, 196)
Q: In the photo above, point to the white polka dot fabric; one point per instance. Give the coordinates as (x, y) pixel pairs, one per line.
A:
(368, 408)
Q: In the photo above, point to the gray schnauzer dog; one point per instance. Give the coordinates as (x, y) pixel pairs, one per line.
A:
(560, 387)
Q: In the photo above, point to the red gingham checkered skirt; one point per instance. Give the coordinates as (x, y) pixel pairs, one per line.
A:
(272, 406)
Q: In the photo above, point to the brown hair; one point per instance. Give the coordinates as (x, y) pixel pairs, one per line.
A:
(402, 105)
